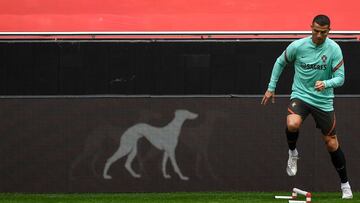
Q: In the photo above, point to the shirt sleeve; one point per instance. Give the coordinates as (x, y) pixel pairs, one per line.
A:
(338, 71)
(286, 57)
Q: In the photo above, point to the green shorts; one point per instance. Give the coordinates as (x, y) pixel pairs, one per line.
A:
(325, 120)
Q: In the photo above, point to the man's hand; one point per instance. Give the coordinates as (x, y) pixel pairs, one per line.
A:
(319, 85)
(267, 96)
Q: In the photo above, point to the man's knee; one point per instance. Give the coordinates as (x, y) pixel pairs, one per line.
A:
(293, 123)
(331, 143)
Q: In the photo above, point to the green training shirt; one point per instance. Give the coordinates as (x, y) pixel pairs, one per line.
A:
(312, 63)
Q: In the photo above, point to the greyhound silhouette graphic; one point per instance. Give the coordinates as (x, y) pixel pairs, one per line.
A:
(164, 138)
(105, 132)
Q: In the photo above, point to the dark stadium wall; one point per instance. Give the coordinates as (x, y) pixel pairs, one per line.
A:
(52, 145)
(151, 68)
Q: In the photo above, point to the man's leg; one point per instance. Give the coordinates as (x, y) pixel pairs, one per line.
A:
(292, 133)
(292, 130)
(339, 162)
(326, 121)
(297, 113)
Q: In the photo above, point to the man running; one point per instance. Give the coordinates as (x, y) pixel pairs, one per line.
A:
(319, 68)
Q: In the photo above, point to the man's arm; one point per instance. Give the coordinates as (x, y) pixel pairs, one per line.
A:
(338, 75)
(276, 71)
(286, 57)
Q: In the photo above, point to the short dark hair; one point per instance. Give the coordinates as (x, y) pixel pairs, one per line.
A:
(322, 20)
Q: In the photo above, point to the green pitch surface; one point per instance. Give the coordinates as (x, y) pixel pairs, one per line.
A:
(196, 197)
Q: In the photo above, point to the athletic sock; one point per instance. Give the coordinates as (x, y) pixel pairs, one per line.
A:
(345, 185)
(339, 162)
(293, 152)
(291, 138)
